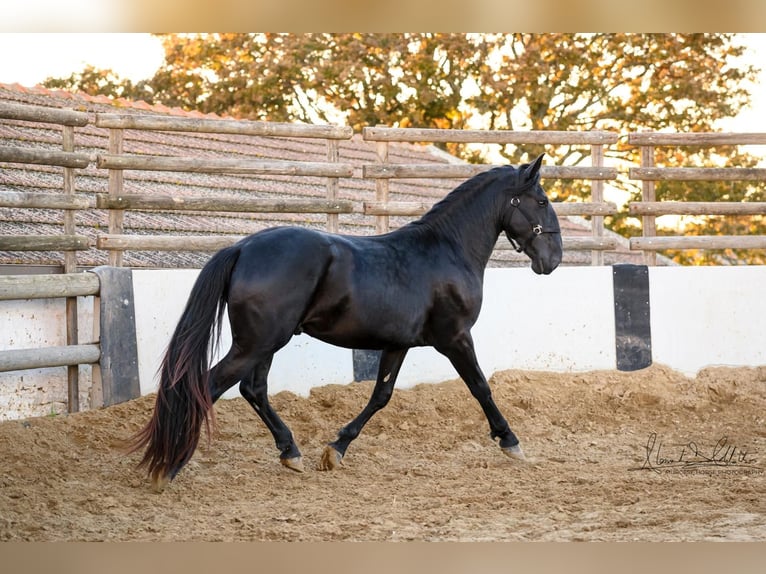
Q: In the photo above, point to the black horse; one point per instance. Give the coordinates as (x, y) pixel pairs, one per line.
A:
(417, 286)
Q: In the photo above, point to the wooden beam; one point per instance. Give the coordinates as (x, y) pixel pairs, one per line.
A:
(447, 171)
(696, 139)
(574, 243)
(32, 200)
(387, 134)
(14, 287)
(245, 204)
(166, 242)
(44, 243)
(46, 115)
(698, 173)
(697, 208)
(21, 359)
(14, 154)
(222, 165)
(698, 242)
(222, 126)
(416, 208)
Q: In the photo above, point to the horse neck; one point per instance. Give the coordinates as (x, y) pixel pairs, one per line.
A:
(470, 222)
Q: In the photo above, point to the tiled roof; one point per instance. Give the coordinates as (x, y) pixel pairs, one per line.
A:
(89, 181)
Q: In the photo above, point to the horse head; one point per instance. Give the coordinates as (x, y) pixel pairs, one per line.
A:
(530, 222)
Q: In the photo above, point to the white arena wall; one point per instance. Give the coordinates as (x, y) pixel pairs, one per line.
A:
(564, 322)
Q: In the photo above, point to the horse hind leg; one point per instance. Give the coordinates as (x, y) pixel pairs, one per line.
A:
(255, 391)
(388, 369)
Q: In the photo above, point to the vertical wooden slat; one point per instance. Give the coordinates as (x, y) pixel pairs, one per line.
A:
(332, 185)
(115, 189)
(381, 188)
(70, 266)
(597, 196)
(648, 194)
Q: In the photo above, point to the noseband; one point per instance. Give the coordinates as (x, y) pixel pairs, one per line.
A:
(537, 229)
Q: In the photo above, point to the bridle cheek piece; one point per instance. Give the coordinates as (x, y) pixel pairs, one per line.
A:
(537, 229)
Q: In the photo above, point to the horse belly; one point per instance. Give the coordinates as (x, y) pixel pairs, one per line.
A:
(368, 327)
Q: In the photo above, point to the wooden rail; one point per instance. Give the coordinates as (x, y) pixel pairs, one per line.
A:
(44, 243)
(62, 356)
(413, 171)
(697, 208)
(258, 205)
(704, 139)
(648, 208)
(573, 243)
(699, 242)
(237, 166)
(417, 208)
(31, 200)
(417, 135)
(222, 126)
(13, 154)
(698, 173)
(48, 286)
(166, 242)
(56, 116)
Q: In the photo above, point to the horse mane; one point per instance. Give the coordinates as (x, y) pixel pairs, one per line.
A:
(463, 193)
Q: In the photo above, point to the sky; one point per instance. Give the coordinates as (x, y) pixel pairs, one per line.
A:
(137, 56)
(134, 56)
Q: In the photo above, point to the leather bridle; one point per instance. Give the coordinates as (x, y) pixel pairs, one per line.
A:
(537, 229)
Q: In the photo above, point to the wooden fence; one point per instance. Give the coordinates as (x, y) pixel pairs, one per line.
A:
(72, 354)
(382, 171)
(112, 352)
(69, 286)
(649, 208)
(117, 202)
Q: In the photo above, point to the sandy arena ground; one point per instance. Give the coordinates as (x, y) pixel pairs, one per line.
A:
(423, 468)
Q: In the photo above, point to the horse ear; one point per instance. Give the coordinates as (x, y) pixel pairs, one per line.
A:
(530, 170)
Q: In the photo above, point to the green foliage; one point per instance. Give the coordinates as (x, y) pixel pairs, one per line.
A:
(559, 81)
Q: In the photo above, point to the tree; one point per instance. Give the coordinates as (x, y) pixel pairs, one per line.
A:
(621, 82)
(97, 82)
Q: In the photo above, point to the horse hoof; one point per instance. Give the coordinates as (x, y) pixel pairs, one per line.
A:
(515, 453)
(295, 463)
(331, 459)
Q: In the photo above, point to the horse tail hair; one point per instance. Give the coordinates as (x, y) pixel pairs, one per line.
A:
(183, 402)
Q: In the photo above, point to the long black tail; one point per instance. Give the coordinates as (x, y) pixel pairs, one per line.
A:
(183, 399)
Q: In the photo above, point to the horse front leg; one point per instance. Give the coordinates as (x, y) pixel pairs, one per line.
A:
(461, 353)
(388, 369)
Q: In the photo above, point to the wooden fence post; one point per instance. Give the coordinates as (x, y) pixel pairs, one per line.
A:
(115, 189)
(332, 185)
(70, 266)
(649, 225)
(597, 196)
(381, 187)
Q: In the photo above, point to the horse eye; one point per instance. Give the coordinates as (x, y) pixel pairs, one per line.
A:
(542, 202)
